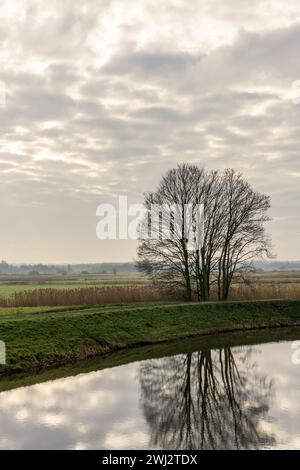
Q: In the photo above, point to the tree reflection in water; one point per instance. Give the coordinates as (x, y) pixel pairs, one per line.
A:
(206, 400)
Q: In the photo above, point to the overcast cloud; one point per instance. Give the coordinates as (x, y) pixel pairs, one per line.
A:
(103, 96)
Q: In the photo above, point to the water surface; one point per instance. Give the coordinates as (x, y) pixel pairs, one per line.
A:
(226, 397)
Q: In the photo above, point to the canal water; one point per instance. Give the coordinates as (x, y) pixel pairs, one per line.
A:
(238, 397)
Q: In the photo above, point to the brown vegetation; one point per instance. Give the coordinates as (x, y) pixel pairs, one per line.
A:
(264, 291)
(81, 296)
(124, 294)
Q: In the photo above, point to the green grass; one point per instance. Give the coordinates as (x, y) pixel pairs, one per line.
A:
(10, 289)
(279, 277)
(10, 285)
(38, 338)
(126, 356)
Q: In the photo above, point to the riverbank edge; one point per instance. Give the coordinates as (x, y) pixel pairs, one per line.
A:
(153, 351)
(54, 340)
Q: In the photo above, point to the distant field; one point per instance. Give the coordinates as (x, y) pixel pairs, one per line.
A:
(90, 289)
(11, 284)
(8, 289)
(276, 276)
(30, 291)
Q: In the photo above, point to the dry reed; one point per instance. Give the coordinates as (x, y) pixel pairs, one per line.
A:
(81, 296)
(121, 294)
(263, 291)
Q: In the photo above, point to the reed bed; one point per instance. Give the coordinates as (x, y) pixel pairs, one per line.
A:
(265, 291)
(81, 296)
(129, 294)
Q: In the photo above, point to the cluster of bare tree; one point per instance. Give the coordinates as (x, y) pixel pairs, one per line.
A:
(233, 231)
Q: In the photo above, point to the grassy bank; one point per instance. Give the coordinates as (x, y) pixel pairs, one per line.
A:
(153, 351)
(43, 338)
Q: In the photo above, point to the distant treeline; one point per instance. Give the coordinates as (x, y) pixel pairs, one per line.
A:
(277, 265)
(119, 268)
(95, 268)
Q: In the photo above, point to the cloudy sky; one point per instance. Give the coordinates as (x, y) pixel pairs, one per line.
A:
(103, 96)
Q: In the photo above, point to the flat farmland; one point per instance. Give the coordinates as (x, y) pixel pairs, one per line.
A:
(276, 277)
(12, 284)
(97, 289)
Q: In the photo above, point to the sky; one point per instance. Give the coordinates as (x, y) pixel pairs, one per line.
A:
(103, 96)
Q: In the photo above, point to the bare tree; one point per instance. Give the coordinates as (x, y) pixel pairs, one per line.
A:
(205, 256)
(244, 214)
(233, 231)
(165, 255)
